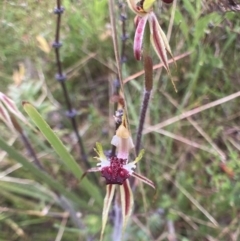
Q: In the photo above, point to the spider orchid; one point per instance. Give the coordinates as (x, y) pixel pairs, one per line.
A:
(145, 14)
(116, 170)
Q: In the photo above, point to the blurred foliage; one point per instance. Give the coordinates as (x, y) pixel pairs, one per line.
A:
(190, 181)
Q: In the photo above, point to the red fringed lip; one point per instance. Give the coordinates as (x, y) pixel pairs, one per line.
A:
(115, 173)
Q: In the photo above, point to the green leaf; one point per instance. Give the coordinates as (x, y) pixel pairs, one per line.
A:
(61, 150)
(189, 7)
(37, 172)
(33, 190)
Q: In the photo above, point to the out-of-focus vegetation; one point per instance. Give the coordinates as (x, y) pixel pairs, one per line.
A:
(194, 162)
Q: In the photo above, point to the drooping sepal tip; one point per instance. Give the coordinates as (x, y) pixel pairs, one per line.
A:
(127, 202)
(110, 189)
(138, 38)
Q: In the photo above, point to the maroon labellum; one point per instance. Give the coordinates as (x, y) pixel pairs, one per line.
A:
(115, 173)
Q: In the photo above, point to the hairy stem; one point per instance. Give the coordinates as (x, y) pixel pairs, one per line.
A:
(148, 84)
(145, 102)
(123, 18)
(61, 78)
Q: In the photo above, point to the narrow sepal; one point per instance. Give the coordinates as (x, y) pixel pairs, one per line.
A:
(143, 179)
(165, 40)
(10, 105)
(127, 202)
(138, 38)
(106, 206)
(157, 41)
(99, 151)
(93, 169)
(139, 157)
(160, 43)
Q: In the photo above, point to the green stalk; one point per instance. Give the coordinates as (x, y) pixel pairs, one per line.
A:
(62, 152)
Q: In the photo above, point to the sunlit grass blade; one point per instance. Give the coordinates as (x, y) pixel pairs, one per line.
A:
(35, 171)
(27, 188)
(106, 206)
(61, 150)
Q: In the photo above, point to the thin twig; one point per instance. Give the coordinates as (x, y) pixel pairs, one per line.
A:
(199, 129)
(191, 112)
(194, 201)
(117, 234)
(157, 66)
(116, 51)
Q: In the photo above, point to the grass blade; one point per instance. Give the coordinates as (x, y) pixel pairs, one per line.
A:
(61, 150)
(37, 172)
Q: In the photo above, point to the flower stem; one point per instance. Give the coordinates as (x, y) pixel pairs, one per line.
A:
(61, 78)
(148, 84)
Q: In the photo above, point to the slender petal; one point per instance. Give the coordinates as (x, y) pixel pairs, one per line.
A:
(10, 105)
(106, 206)
(126, 201)
(138, 38)
(143, 179)
(164, 37)
(93, 169)
(4, 115)
(157, 41)
(160, 43)
(139, 157)
(99, 151)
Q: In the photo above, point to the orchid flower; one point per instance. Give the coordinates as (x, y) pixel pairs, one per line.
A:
(145, 14)
(116, 170)
(8, 112)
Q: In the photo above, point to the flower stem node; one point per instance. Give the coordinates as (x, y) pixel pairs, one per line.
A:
(60, 77)
(125, 37)
(71, 114)
(59, 10)
(57, 45)
(123, 17)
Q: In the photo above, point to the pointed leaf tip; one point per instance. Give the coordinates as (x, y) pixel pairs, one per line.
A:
(24, 102)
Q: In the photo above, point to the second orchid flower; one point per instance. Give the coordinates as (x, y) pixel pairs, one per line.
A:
(145, 15)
